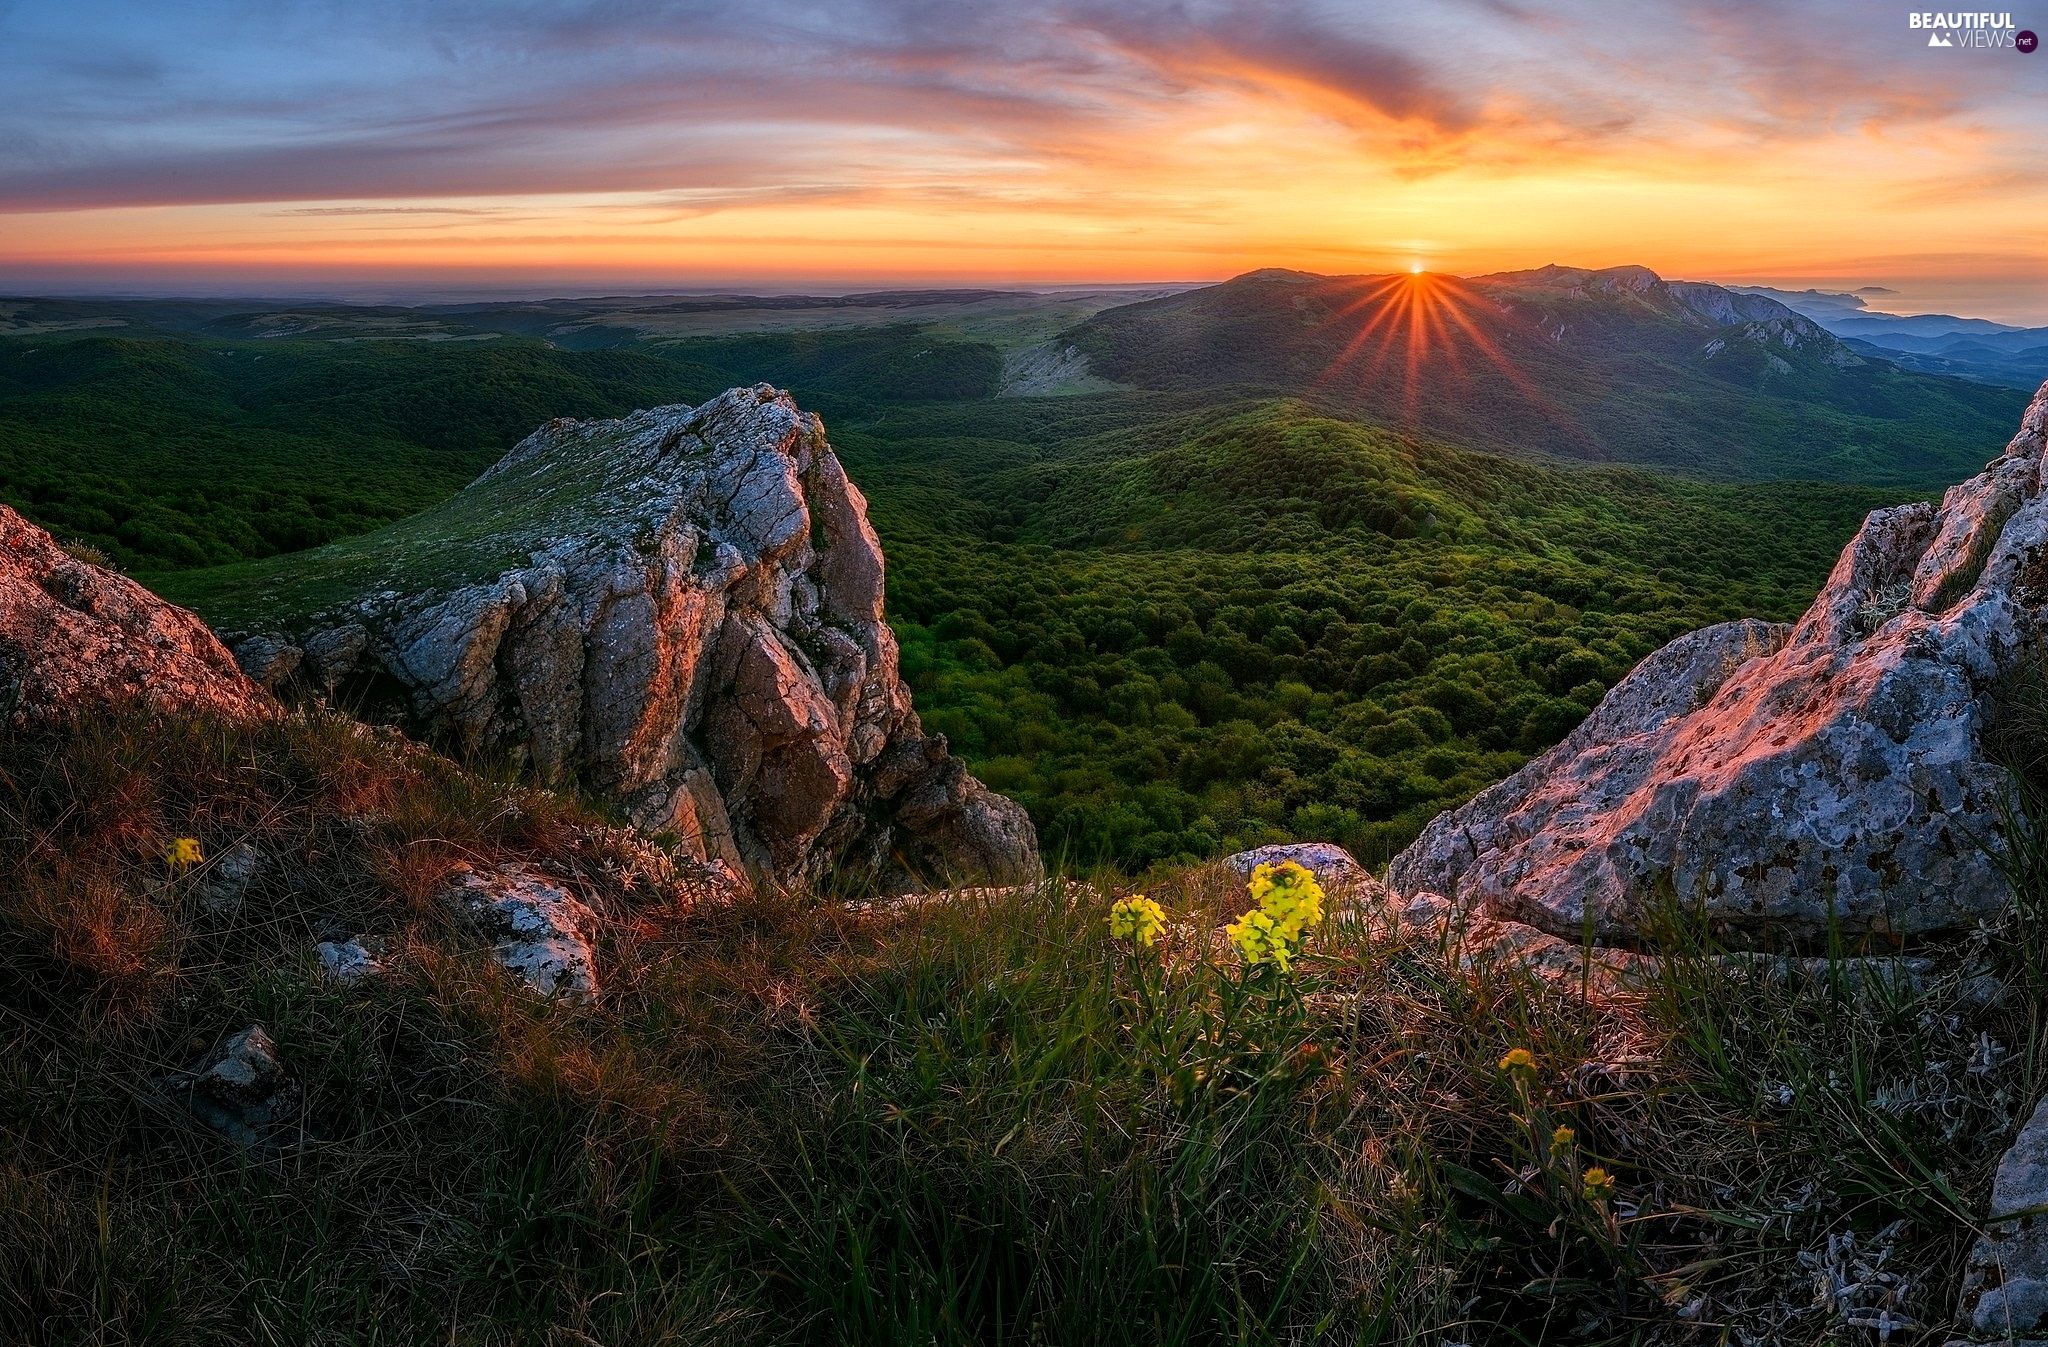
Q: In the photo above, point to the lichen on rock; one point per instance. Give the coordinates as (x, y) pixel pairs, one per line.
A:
(540, 932)
(76, 639)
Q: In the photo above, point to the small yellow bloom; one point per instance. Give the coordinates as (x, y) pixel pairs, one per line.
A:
(1518, 1059)
(1260, 940)
(1137, 919)
(183, 853)
(1290, 905)
(1289, 894)
(1599, 1184)
(1562, 1138)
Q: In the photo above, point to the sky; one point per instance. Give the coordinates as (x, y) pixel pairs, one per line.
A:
(373, 147)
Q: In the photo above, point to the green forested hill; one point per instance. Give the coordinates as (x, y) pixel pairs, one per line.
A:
(1168, 621)
(168, 451)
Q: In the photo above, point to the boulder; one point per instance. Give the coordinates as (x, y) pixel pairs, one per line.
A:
(243, 1090)
(1334, 868)
(1353, 893)
(680, 611)
(2005, 1283)
(77, 639)
(542, 934)
(1781, 782)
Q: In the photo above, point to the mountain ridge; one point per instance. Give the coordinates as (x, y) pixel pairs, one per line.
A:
(1611, 365)
(2009, 355)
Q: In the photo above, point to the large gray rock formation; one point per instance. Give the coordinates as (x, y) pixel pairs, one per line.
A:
(76, 639)
(681, 611)
(1786, 780)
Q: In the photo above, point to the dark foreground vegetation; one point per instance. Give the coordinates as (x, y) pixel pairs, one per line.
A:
(967, 1121)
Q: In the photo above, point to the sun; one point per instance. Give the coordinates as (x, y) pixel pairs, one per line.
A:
(1407, 337)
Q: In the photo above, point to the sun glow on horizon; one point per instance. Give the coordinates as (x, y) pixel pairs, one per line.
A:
(1418, 331)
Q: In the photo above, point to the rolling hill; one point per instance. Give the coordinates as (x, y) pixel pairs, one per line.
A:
(1167, 619)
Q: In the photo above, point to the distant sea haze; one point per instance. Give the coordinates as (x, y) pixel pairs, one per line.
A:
(2022, 302)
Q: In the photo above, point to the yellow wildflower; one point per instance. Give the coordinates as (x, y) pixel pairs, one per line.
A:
(1518, 1059)
(1290, 904)
(1289, 894)
(1260, 940)
(1562, 1138)
(1137, 919)
(183, 853)
(1599, 1184)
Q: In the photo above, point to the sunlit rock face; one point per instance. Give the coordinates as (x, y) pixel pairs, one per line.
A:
(76, 640)
(680, 611)
(1778, 781)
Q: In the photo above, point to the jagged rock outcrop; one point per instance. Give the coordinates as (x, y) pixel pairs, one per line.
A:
(1778, 781)
(75, 639)
(681, 611)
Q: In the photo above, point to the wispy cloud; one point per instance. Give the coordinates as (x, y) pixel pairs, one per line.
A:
(317, 211)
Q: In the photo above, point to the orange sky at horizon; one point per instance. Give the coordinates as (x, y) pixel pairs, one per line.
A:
(1230, 143)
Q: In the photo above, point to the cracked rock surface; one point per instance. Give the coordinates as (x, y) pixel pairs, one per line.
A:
(2005, 1286)
(541, 933)
(243, 1090)
(680, 611)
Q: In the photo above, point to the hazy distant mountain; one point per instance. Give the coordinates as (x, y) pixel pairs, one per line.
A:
(1818, 304)
(1932, 343)
(1614, 365)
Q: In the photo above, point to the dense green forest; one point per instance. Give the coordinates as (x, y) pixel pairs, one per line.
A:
(165, 451)
(1170, 623)
(1281, 625)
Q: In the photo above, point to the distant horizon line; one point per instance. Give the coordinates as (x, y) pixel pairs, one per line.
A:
(402, 295)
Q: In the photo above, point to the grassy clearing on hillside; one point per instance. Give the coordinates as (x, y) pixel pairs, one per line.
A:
(964, 1121)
